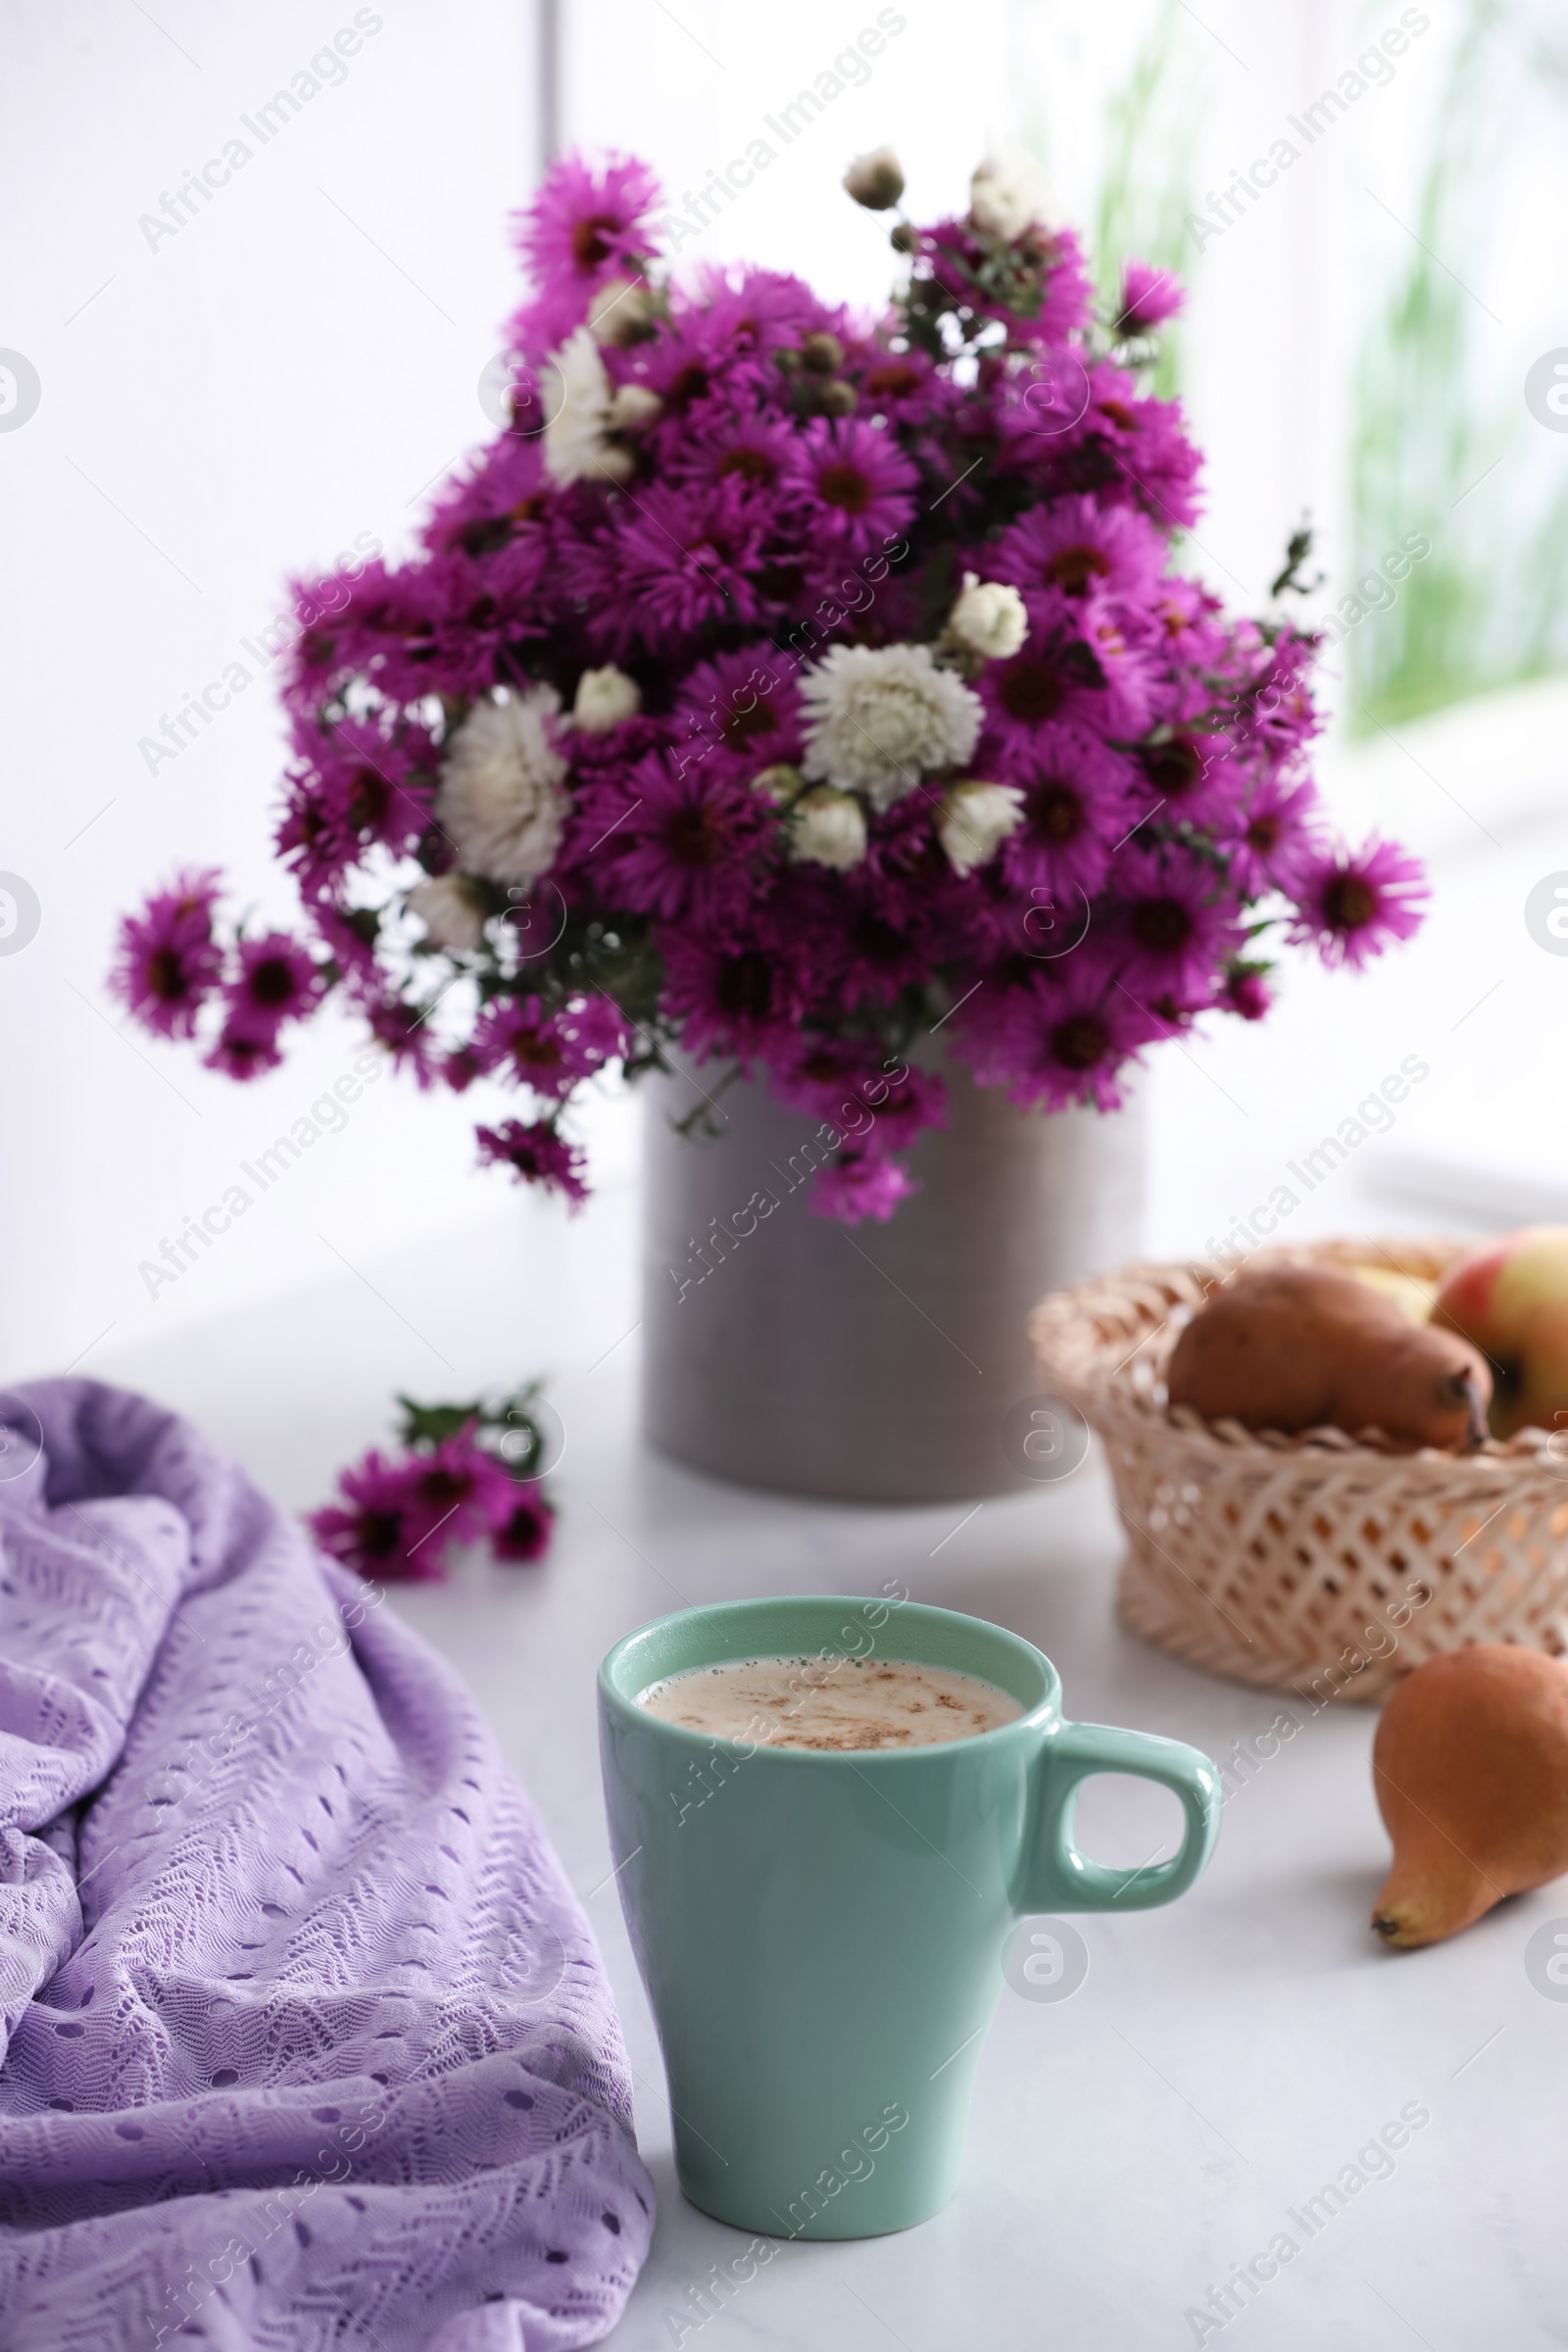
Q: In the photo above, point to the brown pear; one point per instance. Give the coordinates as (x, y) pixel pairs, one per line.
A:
(1294, 1347)
(1470, 1764)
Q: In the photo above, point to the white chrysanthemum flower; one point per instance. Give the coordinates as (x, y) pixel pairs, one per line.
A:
(500, 802)
(450, 911)
(974, 820)
(605, 697)
(989, 618)
(827, 827)
(577, 436)
(1010, 193)
(879, 717)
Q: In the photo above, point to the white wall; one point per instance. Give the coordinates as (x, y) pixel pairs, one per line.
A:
(292, 368)
(691, 87)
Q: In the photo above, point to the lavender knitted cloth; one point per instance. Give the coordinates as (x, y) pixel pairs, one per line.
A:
(304, 2039)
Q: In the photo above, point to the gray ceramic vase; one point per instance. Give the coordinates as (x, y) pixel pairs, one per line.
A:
(876, 1363)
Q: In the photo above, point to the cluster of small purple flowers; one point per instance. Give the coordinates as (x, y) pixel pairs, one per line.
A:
(172, 964)
(783, 685)
(401, 1517)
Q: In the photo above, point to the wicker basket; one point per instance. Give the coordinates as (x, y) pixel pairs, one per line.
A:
(1318, 1563)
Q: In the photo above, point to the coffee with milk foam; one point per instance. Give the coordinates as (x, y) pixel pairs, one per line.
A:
(832, 1705)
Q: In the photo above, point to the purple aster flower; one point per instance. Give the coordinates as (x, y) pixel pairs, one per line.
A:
(745, 704)
(455, 1490)
(400, 1519)
(371, 1530)
(677, 846)
(1247, 991)
(862, 485)
(279, 980)
(1076, 810)
(683, 560)
(405, 1031)
(1053, 676)
(743, 996)
(521, 1521)
(496, 501)
(308, 839)
(583, 228)
(1170, 924)
(899, 385)
(383, 634)
(1275, 836)
(861, 1184)
(246, 1047)
(1188, 780)
(595, 1032)
(1112, 634)
(1148, 297)
(736, 442)
(1077, 548)
(700, 379)
(349, 935)
(1124, 447)
(864, 937)
(168, 963)
(1059, 1036)
(522, 1040)
(761, 310)
(537, 1154)
(1274, 707)
(1187, 624)
(445, 630)
(878, 1101)
(1351, 903)
(550, 1052)
(351, 788)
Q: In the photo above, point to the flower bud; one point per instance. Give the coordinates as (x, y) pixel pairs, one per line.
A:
(619, 312)
(989, 618)
(839, 399)
(974, 820)
(631, 405)
(609, 462)
(1010, 194)
(827, 827)
(605, 697)
(876, 180)
(779, 784)
(452, 911)
(821, 353)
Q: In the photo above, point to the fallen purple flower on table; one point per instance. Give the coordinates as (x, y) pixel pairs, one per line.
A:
(469, 1473)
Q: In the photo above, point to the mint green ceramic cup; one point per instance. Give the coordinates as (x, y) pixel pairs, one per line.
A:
(821, 1936)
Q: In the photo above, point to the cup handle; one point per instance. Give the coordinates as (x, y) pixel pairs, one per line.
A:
(1064, 1880)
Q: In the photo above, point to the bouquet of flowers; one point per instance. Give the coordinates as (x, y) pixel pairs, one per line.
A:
(792, 687)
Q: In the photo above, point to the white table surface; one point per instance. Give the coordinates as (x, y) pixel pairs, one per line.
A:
(1225, 2057)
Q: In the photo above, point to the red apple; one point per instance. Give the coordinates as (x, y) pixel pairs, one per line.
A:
(1511, 1299)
